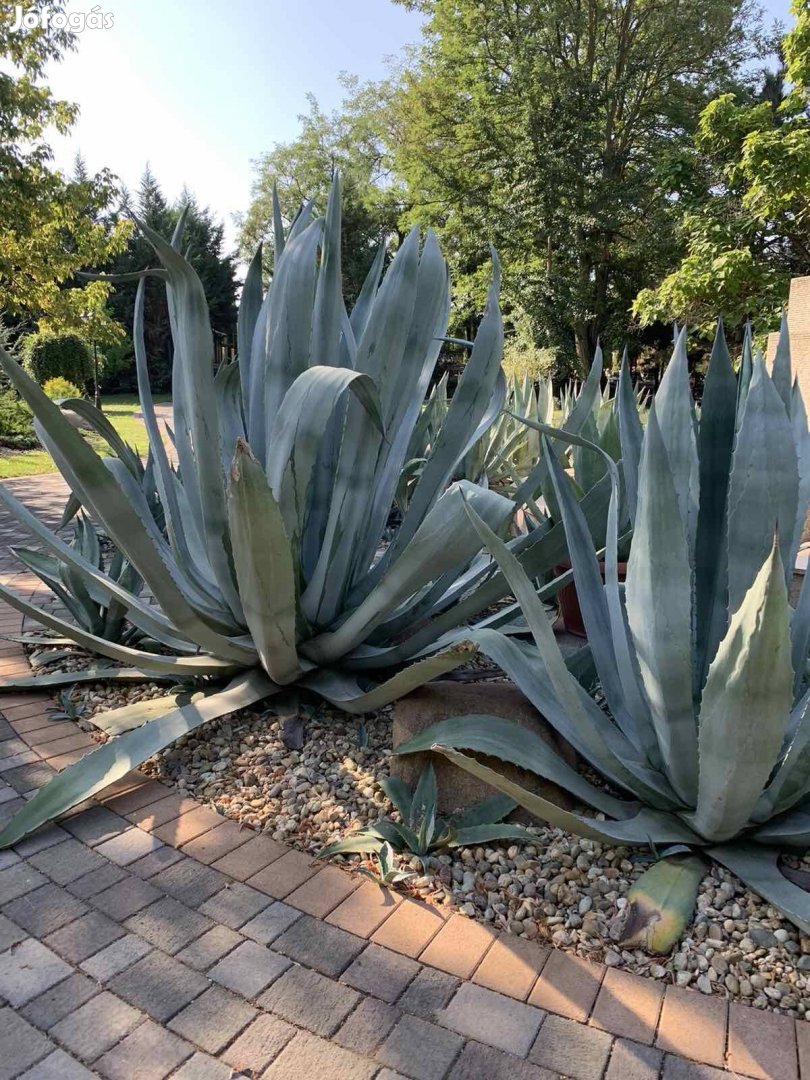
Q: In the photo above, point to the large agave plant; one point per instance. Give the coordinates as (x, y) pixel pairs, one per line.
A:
(272, 560)
(704, 724)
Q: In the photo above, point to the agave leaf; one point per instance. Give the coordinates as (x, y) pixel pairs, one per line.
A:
(780, 372)
(358, 843)
(345, 692)
(473, 835)
(758, 868)
(250, 304)
(645, 827)
(425, 797)
(329, 311)
(157, 662)
(764, 486)
(102, 426)
(102, 767)
(399, 794)
(715, 443)
(660, 904)
(92, 674)
(674, 412)
(746, 702)
(631, 434)
(658, 593)
(264, 566)
(791, 829)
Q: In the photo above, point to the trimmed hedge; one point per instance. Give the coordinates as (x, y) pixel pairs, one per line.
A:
(50, 356)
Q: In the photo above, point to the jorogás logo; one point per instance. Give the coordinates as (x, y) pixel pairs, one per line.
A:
(77, 21)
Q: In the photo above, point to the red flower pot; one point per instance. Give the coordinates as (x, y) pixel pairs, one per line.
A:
(568, 601)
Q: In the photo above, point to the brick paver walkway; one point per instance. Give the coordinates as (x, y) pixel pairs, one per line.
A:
(145, 936)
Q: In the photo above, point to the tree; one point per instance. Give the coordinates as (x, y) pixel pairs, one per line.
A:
(744, 212)
(50, 226)
(542, 126)
(204, 239)
(353, 140)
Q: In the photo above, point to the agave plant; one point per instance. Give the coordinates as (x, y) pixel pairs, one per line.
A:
(704, 726)
(278, 566)
(421, 830)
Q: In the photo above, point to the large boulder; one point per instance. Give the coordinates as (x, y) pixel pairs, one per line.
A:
(459, 789)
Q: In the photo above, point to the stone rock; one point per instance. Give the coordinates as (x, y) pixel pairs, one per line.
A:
(457, 788)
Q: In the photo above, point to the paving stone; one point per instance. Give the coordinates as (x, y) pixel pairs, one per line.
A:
(389, 1074)
(572, 1049)
(479, 1062)
(209, 948)
(803, 1040)
(127, 896)
(567, 985)
(628, 1006)
(10, 933)
(154, 814)
(676, 1068)
(693, 1025)
(43, 838)
(26, 777)
(459, 946)
(66, 861)
(28, 970)
(147, 791)
(258, 1044)
(410, 927)
(761, 1044)
(249, 969)
(306, 1055)
(270, 923)
(251, 857)
(317, 945)
(58, 1066)
(235, 905)
(380, 972)
(12, 746)
(80, 939)
(96, 1026)
(430, 991)
(168, 924)
(129, 846)
(203, 1067)
(45, 910)
(49, 1008)
(367, 1026)
(365, 910)
(213, 1019)
(96, 881)
(8, 809)
(323, 892)
(511, 966)
(190, 882)
(19, 879)
(284, 875)
(218, 842)
(150, 1053)
(158, 985)
(116, 957)
(419, 1049)
(8, 858)
(633, 1061)
(95, 825)
(499, 1021)
(309, 1000)
(22, 1044)
(155, 861)
(187, 826)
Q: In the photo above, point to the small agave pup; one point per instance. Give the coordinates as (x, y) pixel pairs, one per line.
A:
(701, 662)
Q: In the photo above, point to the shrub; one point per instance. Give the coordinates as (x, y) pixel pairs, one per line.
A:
(16, 423)
(47, 356)
(59, 388)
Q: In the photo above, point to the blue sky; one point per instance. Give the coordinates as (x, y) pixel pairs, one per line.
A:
(198, 88)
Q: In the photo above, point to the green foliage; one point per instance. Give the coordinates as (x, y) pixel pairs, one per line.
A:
(58, 388)
(47, 355)
(522, 358)
(543, 127)
(420, 830)
(701, 664)
(68, 708)
(744, 211)
(16, 423)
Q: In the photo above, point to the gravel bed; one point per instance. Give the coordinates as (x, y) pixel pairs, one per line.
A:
(558, 887)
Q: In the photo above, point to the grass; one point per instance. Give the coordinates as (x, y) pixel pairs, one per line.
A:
(119, 409)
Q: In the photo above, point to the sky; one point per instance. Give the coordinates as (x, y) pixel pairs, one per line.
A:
(200, 88)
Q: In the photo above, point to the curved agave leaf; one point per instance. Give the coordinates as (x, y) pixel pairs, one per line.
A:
(116, 758)
(92, 674)
(660, 904)
(486, 834)
(759, 869)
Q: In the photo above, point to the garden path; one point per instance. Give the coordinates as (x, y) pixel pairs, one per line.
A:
(145, 937)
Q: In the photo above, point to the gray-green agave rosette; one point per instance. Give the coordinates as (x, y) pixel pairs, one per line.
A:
(700, 658)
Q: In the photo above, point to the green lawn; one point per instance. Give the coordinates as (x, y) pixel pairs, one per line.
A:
(119, 409)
